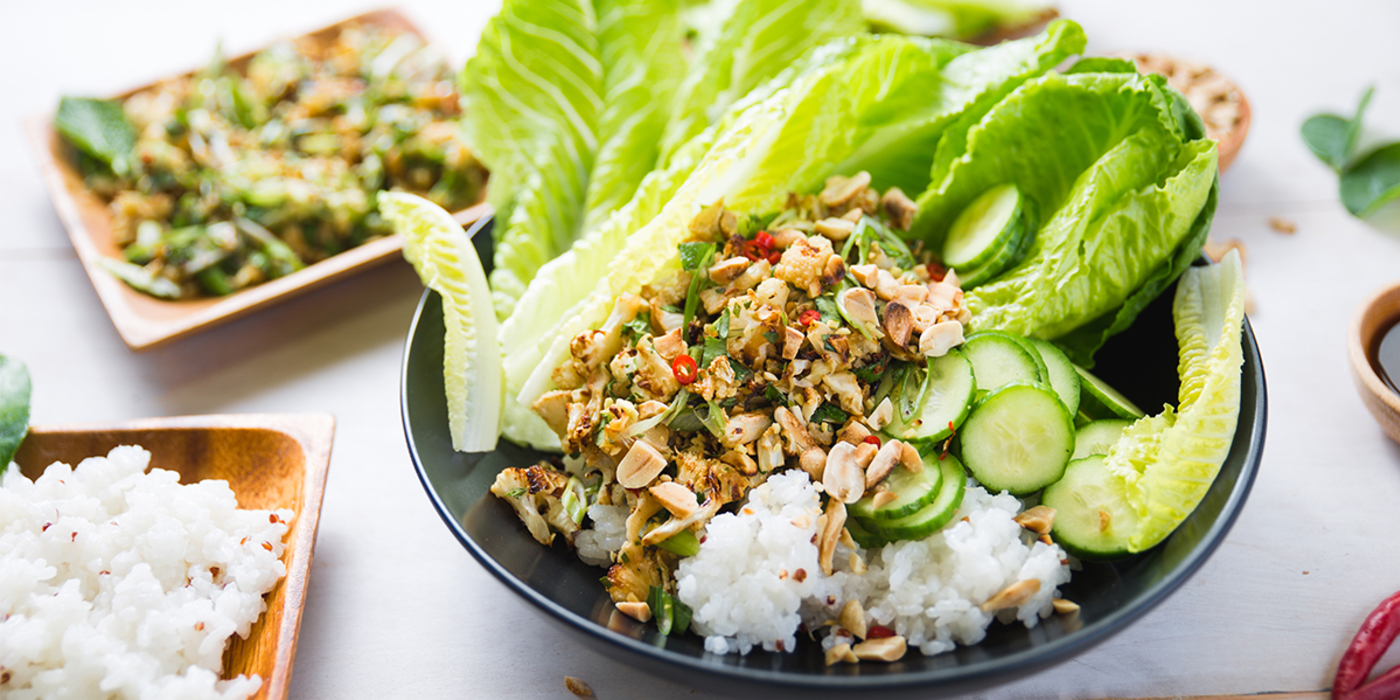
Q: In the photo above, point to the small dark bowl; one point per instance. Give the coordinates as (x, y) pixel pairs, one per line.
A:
(1140, 362)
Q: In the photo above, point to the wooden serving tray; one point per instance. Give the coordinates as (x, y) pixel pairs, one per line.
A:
(145, 322)
(269, 460)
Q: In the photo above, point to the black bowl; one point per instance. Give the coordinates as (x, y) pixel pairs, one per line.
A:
(1140, 362)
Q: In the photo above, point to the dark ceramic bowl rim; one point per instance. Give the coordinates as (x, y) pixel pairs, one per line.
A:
(1008, 667)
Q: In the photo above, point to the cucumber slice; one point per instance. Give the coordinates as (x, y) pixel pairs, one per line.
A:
(1095, 438)
(1041, 369)
(912, 490)
(1103, 401)
(864, 537)
(1018, 439)
(985, 227)
(1006, 258)
(932, 517)
(997, 360)
(1059, 371)
(1093, 519)
(950, 399)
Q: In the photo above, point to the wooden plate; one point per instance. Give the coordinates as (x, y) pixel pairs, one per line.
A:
(269, 460)
(145, 322)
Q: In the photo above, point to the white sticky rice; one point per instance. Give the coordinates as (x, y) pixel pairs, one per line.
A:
(756, 578)
(115, 583)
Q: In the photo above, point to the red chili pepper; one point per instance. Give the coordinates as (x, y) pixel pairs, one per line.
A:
(878, 632)
(1367, 647)
(936, 272)
(808, 317)
(942, 455)
(1385, 687)
(873, 439)
(764, 239)
(684, 368)
(774, 258)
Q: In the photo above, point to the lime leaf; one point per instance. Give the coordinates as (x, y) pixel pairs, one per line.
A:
(443, 255)
(14, 407)
(1326, 136)
(1372, 181)
(1169, 461)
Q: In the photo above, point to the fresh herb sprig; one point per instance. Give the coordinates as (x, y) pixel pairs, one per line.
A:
(14, 407)
(1367, 182)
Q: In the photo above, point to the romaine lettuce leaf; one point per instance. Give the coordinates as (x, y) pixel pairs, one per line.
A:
(1107, 163)
(560, 101)
(1169, 461)
(955, 19)
(750, 42)
(791, 141)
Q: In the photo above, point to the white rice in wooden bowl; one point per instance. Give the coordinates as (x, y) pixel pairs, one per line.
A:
(117, 583)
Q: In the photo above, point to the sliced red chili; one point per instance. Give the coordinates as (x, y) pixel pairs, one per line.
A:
(808, 317)
(764, 239)
(873, 439)
(684, 368)
(774, 258)
(879, 632)
(936, 272)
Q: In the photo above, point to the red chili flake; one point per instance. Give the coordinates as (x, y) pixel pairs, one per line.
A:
(936, 272)
(104, 573)
(685, 369)
(199, 626)
(243, 541)
(879, 632)
(808, 317)
(74, 538)
(948, 442)
(764, 239)
(46, 527)
(272, 517)
(873, 439)
(267, 546)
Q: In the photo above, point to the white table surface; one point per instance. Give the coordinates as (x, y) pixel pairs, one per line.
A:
(396, 607)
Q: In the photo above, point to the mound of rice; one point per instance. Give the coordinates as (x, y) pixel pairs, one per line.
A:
(756, 577)
(116, 583)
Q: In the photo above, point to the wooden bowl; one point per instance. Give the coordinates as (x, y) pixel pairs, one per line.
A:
(270, 461)
(1372, 318)
(145, 322)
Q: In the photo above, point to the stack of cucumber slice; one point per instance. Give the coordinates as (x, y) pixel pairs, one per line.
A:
(990, 236)
(1011, 404)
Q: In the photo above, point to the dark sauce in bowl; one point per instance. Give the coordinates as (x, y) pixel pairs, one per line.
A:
(1385, 355)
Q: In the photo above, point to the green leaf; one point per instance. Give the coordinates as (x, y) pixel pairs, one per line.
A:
(1332, 138)
(754, 41)
(693, 255)
(14, 407)
(955, 19)
(100, 129)
(826, 306)
(1106, 164)
(1373, 181)
(829, 413)
(846, 104)
(565, 103)
(1326, 136)
(1102, 64)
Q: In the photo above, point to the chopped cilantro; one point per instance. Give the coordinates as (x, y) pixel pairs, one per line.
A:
(828, 413)
(741, 373)
(641, 324)
(753, 223)
(671, 309)
(826, 305)
(516, 493)
(771, 336)
(693, 255)
(874, 371)
(774, 396)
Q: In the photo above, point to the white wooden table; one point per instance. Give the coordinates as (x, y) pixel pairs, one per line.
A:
(397, 608)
